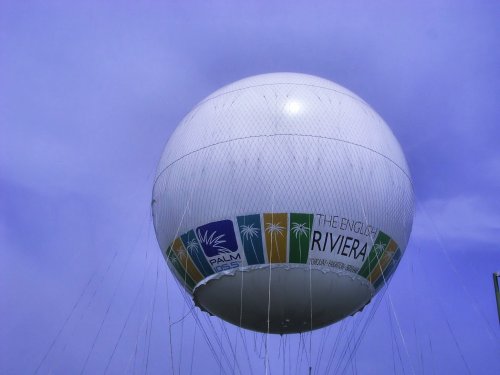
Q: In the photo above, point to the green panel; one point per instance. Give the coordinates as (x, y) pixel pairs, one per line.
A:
(375, 254)
(300, 236)
(389, 270)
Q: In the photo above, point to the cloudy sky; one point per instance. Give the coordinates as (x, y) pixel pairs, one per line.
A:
(89, 94)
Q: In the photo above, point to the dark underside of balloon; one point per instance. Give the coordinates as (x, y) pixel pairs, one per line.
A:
(283, 298)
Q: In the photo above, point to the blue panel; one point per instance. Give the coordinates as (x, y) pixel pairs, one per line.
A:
(251, 238)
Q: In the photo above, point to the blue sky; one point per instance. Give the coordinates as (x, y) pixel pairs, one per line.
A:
(91, 91)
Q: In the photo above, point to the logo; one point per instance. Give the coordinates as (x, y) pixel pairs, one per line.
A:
(217, 238)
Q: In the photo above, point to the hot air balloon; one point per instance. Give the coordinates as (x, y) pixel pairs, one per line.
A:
(282, 203)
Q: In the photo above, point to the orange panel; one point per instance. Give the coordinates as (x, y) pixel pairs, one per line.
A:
(186, 261)
(384, 261)
(276, 229)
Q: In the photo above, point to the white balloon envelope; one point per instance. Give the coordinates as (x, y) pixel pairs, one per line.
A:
(282, 203)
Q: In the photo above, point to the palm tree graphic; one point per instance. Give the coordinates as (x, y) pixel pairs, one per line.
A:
(274, 229)
(215, 241)
(379, 247)
(192, 245)
(300, 229)
(249, 232)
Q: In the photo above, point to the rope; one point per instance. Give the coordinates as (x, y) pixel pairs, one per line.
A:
(445, 252)
(192, 351)
(452, 333)
(240, 319)
(228, 340)
(245, 345)
(106, 313)
(394, 341)
(68, 317)
(152, 317)
(136, 298)
(311, 317)
(169, 325)
(389, 296)
(269, 287)
(183, 317)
